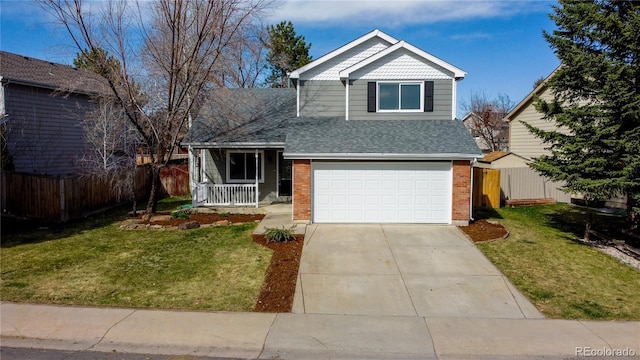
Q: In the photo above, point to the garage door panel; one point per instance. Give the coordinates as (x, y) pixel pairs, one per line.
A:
(400, 192)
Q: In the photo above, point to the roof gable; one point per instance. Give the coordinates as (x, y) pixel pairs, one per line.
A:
(345, 56)
(39, 73)
(541, 88)
(414, 53)
(397, 65)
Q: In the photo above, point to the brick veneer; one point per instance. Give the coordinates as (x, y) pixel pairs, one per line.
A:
(302, 190)
(461, 192)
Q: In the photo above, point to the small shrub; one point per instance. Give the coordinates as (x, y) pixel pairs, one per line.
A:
(279, 234)
(224, 214)
(180, 215)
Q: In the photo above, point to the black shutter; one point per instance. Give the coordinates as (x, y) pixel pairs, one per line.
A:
(428, 96)
(371, 97)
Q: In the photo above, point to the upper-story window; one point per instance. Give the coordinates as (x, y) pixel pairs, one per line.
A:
(400, 96)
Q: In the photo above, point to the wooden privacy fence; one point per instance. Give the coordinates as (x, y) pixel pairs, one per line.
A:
(60, 198)
(175, 180)
(526, 183)
(486, 188)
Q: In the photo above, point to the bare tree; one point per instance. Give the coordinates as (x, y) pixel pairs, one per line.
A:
(172, 55)
(485, 119)
(245, 62)
(110, 149)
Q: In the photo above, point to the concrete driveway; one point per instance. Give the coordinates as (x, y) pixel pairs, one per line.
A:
(402, 270)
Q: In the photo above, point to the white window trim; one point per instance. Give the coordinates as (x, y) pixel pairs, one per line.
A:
(247, 181)
(400, 83)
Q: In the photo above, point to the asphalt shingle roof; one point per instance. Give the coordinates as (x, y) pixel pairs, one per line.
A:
(268, 116)
(25, 70)
(243, 115)
(383, 137)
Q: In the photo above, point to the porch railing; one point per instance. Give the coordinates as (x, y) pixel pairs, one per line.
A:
(226, 194)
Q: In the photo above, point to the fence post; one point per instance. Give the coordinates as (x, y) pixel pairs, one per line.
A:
(64, 213)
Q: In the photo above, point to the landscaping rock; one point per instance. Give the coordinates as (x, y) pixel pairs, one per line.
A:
(159, 218)
(189, 225)
(222, 222)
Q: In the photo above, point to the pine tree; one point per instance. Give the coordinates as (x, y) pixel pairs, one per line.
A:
(93, 60)
(287, 52)
(596, 108)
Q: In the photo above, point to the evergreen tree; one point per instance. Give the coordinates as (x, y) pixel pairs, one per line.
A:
(596, 108)
(287, 52)
(95, 60)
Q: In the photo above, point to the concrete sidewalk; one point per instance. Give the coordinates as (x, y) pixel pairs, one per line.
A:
(309, 336)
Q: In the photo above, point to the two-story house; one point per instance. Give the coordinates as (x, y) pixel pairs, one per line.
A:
(367, 133)
(42, 105)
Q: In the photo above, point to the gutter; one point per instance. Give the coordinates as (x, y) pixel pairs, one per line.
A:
(378, 156)
(8, 81)
(235, 145)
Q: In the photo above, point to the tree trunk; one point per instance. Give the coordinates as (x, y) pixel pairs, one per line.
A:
(633, 217)
(152, 204)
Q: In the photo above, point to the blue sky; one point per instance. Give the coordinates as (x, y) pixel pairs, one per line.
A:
(498, 43)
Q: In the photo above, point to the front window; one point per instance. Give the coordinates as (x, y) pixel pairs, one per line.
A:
(241, 166)
(404, 96)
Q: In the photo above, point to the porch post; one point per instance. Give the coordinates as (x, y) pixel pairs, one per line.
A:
(257, 157)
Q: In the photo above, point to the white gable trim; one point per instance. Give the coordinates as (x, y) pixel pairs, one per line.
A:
(375, 33)
(456, 72)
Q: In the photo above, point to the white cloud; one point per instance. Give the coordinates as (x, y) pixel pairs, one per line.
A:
(396, 13)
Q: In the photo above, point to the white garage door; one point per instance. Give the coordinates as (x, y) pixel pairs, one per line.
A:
(381, 192)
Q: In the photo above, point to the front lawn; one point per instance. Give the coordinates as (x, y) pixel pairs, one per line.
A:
(563, 278)
(93, 262)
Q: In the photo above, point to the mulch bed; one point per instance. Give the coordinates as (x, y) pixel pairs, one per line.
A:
(483, 230)
(279, 285)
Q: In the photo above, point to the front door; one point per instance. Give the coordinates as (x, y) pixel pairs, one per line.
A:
(284, 176)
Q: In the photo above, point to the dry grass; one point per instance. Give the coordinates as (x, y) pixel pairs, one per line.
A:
(562, 277)
(95, 263)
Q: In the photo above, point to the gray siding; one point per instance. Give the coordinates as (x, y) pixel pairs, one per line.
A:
(322, 98)
(442, 104)
(43, 131)
(216, 172)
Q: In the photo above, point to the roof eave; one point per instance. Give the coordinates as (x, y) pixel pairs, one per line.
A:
(375, 33)
(235, 145)
(7, 81)
(456, 72)
(380, 156)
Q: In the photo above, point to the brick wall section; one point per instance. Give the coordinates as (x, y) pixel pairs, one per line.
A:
(461, 191)
(302, 190)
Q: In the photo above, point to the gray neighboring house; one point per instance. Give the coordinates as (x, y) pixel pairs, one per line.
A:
(366, 134)
(41, 107)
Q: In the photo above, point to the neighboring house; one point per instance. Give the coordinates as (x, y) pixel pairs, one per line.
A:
(517, 181)
(500, 133)
(502, 160)
(366, 134)
(525, 145)
(42, 105)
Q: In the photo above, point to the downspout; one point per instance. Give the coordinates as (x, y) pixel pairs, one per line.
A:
(346, 104)
(471, 190)
(257, 155)
(298, 97)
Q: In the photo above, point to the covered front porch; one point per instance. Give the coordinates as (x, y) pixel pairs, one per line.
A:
(239, 176)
